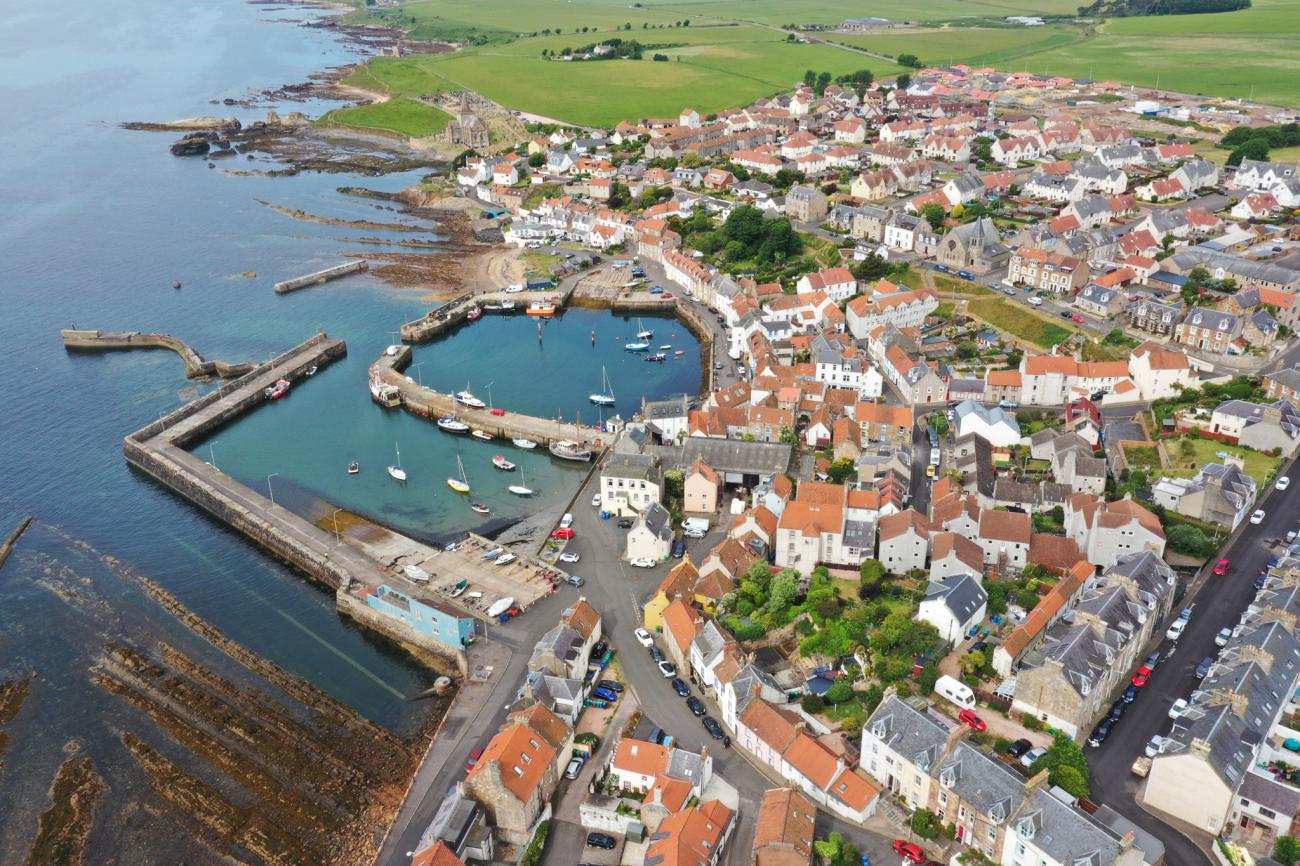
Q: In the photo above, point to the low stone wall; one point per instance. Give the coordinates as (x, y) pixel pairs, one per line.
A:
(195, 364)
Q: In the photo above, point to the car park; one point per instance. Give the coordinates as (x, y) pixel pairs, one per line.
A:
(601, 840)
(1100, 733)
(966, 717)
(909, 851)
(1282, 483)
(679, 686)
(574, 768)
(668, 669)
(711, 725)
(1204, 667)
(1221, 567)
(695, 705)
(644, 638)
(1028, 758)
(1221, 639)
(1019, 748)
(1258, 517)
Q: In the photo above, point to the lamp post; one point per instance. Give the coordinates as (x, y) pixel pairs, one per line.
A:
(418, 375)
(335, 517)
(269, 490)
(212, 455)
(489, 390)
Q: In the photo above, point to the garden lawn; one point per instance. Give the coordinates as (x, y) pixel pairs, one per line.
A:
(403, 116)
(1019, 322)
(1259, 466)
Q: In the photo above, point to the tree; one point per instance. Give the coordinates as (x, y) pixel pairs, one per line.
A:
(788, 437)
(1256, 148)
(967, 349)
(925, 824)
(939, 423)
(840, 691)
(809, 77)
(909, 60)
(674, 483)
(1286, 850)
(1189, 540)
(537, 160)
(934, 214)
(823, 80)
(972, 662)
(841, 470)
(871, 571)
(781, 592)
(903, 81)
(870, 269)
(1066, 765)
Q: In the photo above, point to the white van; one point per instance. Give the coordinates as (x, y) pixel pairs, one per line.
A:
(955, 691)
(695, 527)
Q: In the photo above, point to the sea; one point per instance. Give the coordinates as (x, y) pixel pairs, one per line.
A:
(96, 223)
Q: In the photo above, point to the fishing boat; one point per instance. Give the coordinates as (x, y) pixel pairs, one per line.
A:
(507, 558)
(606, 395)
(311, 371)
(475, 313)
(636, 347)
(500, 606)
(657, 356)
(354, 467)
(278, 390)
(396, 470)
(508, 306)
(460, 587)
(503, 464)
(644, 333)
(467, 398)
(384, 394)
(541, 308)
(460, 485)
(526, 444)
(492, 308)
(482, 435)
(480, 508)
(522, 488)
(567, 449)
(665, 348)
(452, 424)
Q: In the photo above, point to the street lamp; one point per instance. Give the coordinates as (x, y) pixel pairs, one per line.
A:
(489, 390)
(269, 490)
(212, 455)
(335, 518)
(418, 375)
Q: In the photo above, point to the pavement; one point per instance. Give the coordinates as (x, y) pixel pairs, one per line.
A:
(1219, 602)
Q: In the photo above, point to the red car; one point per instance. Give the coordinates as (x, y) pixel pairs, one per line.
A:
(498, 412)
(667, 296)
(909, 851)
(1077, 319)
(563, 534)
(473, 759)
(1221, 567)
(966, 717)
(1142, 677)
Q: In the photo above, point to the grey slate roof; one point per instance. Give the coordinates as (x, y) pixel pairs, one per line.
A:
(658, 520)
(961, 594)
(986, 784)
(729, 455)
(908, 731)
(1064, 833)
(640, 467)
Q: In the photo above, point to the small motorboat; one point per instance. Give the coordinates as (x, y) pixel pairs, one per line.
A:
(466, 398)
(482, 435)
(656, 357)
(636, 347)
(354, 467)
(502, 463)
(509, 557)
(460, 587)
(524, 443)
(680, 352)
(500, 606)
(311, 371)
(480, 508)
(541, 309)
(452, 424)
(278, 390)
(475, 313)
(492, 554)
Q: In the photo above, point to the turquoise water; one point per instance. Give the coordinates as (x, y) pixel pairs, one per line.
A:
(302, 444)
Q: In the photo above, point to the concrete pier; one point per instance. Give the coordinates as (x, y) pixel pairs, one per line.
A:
(195, 364)
(451, 314)
(323, 276)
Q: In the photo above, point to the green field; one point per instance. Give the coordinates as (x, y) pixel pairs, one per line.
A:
(970, 45)
(1019, 322)
(1227, 54)
(715, 68)
(781, 12)
(404, 116)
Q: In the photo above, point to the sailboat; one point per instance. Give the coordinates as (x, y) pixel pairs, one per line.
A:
(645, 333)
(396, 470)
(606, 395)
(460, 485)
(520, 489)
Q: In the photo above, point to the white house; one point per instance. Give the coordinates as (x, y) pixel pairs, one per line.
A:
(953, 605)
(904, 541)
(1157, 370)
(838, 283)
(997, 426)
(651, 537)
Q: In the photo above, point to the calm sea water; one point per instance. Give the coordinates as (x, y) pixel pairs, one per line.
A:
(97, 222)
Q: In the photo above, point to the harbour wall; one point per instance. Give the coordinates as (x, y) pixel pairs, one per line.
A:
(322, 276)
(195, 364)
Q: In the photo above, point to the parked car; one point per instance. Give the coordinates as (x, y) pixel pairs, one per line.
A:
(679, 686)
(643, 562)
(574, 768)
(1258, 517)
(601, 840)
(1175, 630)
(574, 580)
(1156, 745)
(595, 501)
(1142, 677)
(1117, 709)
(1177, 708)
(657, 654)
(1221, 567)
(695, 705)
(966, 275)
(1019, 747)
(1035, 301)
(473, 758)
(563, 534)
(679, 548)
(1100, 733)
(1261, 580)
(602, 694)
(569, 557)
(1009, 290)
(566, 521)
(1204, 667)
(644, 638)
(1153, 659)
(967, 717)
(625, 523)
(909, 851)
(1221, 639)
(1130, 694)
(1028, 758)
(612, 685)
(711, 725)
(668, 669)
(1065, 314)
(1008, 404)
(1283, 483)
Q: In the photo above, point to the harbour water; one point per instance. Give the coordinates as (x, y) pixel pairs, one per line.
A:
(97, 223)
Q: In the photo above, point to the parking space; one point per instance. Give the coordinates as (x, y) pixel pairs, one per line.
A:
(471, 577)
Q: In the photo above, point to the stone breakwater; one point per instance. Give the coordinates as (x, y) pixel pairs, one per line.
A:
(196, 365)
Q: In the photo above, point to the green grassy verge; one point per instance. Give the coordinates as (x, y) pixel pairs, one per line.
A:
(403, 116)
(1019, 322)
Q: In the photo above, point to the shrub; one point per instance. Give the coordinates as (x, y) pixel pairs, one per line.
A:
(533, 853)
(840, 691)
(925, 824)
(1031, 723)
(812, 703)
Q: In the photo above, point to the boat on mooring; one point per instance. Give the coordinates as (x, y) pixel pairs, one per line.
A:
(482, 435)
(396, 471)
(636, 347)
(526, 444)
(657, 357)
(522, 488)
(452, 424)
(480, 508)
(354, 467)
(475, 313)
(606, 395)
(567, 449)
(541, 308)
(467, 398)
(278, 390)
(665, 348)
(644, 333)
(503, 464)
(460, 485)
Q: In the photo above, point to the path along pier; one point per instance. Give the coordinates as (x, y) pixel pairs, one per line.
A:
(196, 366)
(322, 276)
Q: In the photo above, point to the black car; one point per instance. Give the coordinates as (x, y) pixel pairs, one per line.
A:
(612, 685)
(657, 654)
(979, 646)
(1065, 314)
(1019, 747)
(679, 548)
(601, 840)
(711, 725)
(1153, 660)
(679, 686)
(1116, 711)
(1100, 733)
(599, 649)
(1261, 579)
(625, 523)
(1130, 694)
(695, 705)
(1204, 667)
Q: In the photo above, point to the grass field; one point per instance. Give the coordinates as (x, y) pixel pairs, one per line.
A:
(404, 116)
(1019, 322)
(970, 45)
(780, 12)
(715, 68)
(947, 286)
(1225, 54)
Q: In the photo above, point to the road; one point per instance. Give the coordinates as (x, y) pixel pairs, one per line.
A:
(1219, 602)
